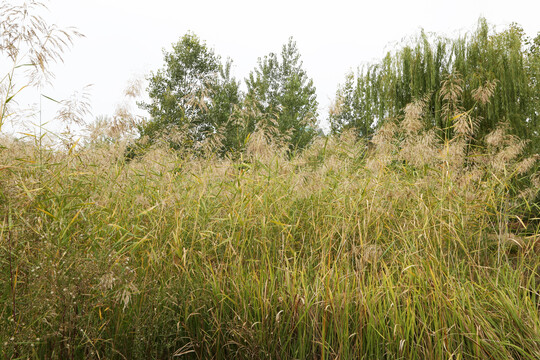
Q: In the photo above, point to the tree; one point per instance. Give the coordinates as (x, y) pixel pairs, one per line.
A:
(504, 63)
(281, 90)
(194, 93)
(349, 108)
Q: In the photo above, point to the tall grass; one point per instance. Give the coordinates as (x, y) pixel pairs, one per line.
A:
(402, 248)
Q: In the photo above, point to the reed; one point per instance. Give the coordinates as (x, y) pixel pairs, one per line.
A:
(345, 251)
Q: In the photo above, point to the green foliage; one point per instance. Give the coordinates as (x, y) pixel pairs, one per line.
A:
(351, 109)
(195, 100)
(506, 63)
(281, 90)
(193, 93)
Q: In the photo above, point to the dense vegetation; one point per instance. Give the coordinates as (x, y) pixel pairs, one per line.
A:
(217, 238)
(401, 252)
(505, 62)
(194, 94)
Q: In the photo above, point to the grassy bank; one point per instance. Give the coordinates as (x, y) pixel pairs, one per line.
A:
(407, 248)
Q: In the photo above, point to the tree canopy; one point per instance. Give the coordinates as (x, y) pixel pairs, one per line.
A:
(505, 63)
(194, 92)
(282, 90)
(489, 75)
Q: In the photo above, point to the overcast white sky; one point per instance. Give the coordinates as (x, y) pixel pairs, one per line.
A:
(125, 38)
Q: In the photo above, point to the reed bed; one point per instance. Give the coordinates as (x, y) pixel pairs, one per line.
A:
(405, 247)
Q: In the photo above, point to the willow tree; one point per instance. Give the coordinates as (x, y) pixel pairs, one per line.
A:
(507, 60)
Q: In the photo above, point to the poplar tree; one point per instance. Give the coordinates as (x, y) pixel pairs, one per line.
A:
(282, 91)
